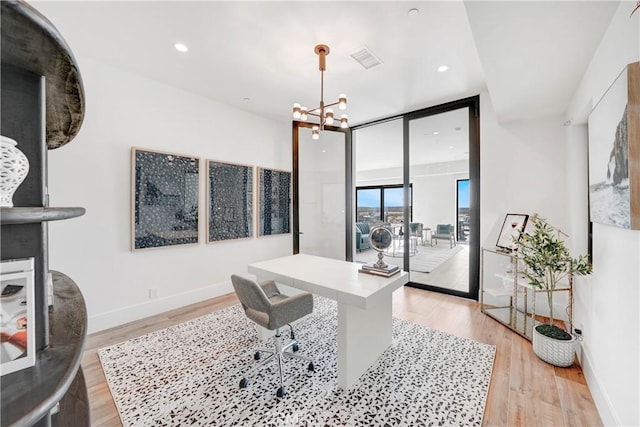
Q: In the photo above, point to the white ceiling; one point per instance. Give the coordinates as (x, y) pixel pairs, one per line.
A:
(258, 56)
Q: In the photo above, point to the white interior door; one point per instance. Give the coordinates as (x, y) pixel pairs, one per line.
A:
(322, 194)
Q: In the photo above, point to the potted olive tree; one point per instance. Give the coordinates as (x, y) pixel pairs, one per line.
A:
(547, 263)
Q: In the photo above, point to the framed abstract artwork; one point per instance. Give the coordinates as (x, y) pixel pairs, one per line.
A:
(614, 153)
(274, 202)
(511, 231)
(164, 199)
(230, 201)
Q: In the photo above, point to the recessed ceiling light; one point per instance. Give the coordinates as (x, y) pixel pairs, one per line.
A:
(436, 132)
(451, 146)
(442, 68)
(324, 151)
(246, 99)
(413, 12)
(181, 47)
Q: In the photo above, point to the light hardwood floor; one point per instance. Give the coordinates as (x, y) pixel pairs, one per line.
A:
(524, 390)
(452, 274)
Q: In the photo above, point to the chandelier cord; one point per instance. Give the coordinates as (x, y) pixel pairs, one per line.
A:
(322, 120)
(322, 66)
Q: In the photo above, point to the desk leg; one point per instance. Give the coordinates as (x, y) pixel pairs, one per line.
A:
(363, 335)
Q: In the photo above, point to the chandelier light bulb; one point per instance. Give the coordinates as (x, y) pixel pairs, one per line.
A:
(342, 101)
(344, 121)
(315, 132)
(303, 113)
(296, 111)
(329, 116)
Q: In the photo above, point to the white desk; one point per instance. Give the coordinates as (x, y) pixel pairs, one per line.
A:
(364, 304)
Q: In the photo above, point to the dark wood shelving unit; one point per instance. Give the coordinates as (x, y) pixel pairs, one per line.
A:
(42, 95)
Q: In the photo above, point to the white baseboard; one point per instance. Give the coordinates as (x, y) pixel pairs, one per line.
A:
(155, 306)
(600, 397)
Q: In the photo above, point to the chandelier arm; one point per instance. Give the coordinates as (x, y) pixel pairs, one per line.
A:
(331, 105)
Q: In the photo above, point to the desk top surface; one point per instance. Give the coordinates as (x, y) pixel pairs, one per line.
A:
(335, 279)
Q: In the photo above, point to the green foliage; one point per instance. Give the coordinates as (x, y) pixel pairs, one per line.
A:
(552, 331)
(548, 260)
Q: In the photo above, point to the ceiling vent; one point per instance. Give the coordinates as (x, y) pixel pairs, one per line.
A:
(366, 58)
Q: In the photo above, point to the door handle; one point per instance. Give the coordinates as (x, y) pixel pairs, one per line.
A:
(300, 232)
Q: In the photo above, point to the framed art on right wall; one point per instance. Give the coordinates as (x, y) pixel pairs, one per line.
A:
(614, 153)
(511, 231)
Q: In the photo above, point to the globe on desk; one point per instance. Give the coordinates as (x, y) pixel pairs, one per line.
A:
(381, 238)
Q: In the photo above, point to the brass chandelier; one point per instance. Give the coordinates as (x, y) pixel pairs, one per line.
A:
(323, 112)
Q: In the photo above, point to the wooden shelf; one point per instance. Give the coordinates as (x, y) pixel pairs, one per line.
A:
(29, 394)
(30, 41)
(22, 215)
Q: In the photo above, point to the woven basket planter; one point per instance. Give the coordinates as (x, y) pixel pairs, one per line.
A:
(557, 352)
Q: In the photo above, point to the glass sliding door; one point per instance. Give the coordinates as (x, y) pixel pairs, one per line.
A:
(438, 161)
(379, 190)
(419, 174)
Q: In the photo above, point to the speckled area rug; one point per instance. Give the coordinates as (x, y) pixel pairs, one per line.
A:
(189, 374)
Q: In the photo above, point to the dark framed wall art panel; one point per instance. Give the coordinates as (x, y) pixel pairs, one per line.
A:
(164, 199)
(229, 201)
(274, 202)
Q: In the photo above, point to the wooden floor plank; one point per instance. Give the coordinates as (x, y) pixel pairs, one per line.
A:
(524, 391)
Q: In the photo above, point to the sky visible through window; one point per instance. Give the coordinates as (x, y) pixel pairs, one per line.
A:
(463, 193)
(369, 198)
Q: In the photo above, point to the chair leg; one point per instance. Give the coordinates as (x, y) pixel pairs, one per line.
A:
(297, 356)
(278, 354)
(282, 391)
(261, 363)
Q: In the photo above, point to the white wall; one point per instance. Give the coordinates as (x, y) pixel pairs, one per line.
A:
(434, 192)
(522, 170)
(124, 110)
(607, 303)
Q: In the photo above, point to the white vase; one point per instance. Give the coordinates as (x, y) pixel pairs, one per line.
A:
(14, 167)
